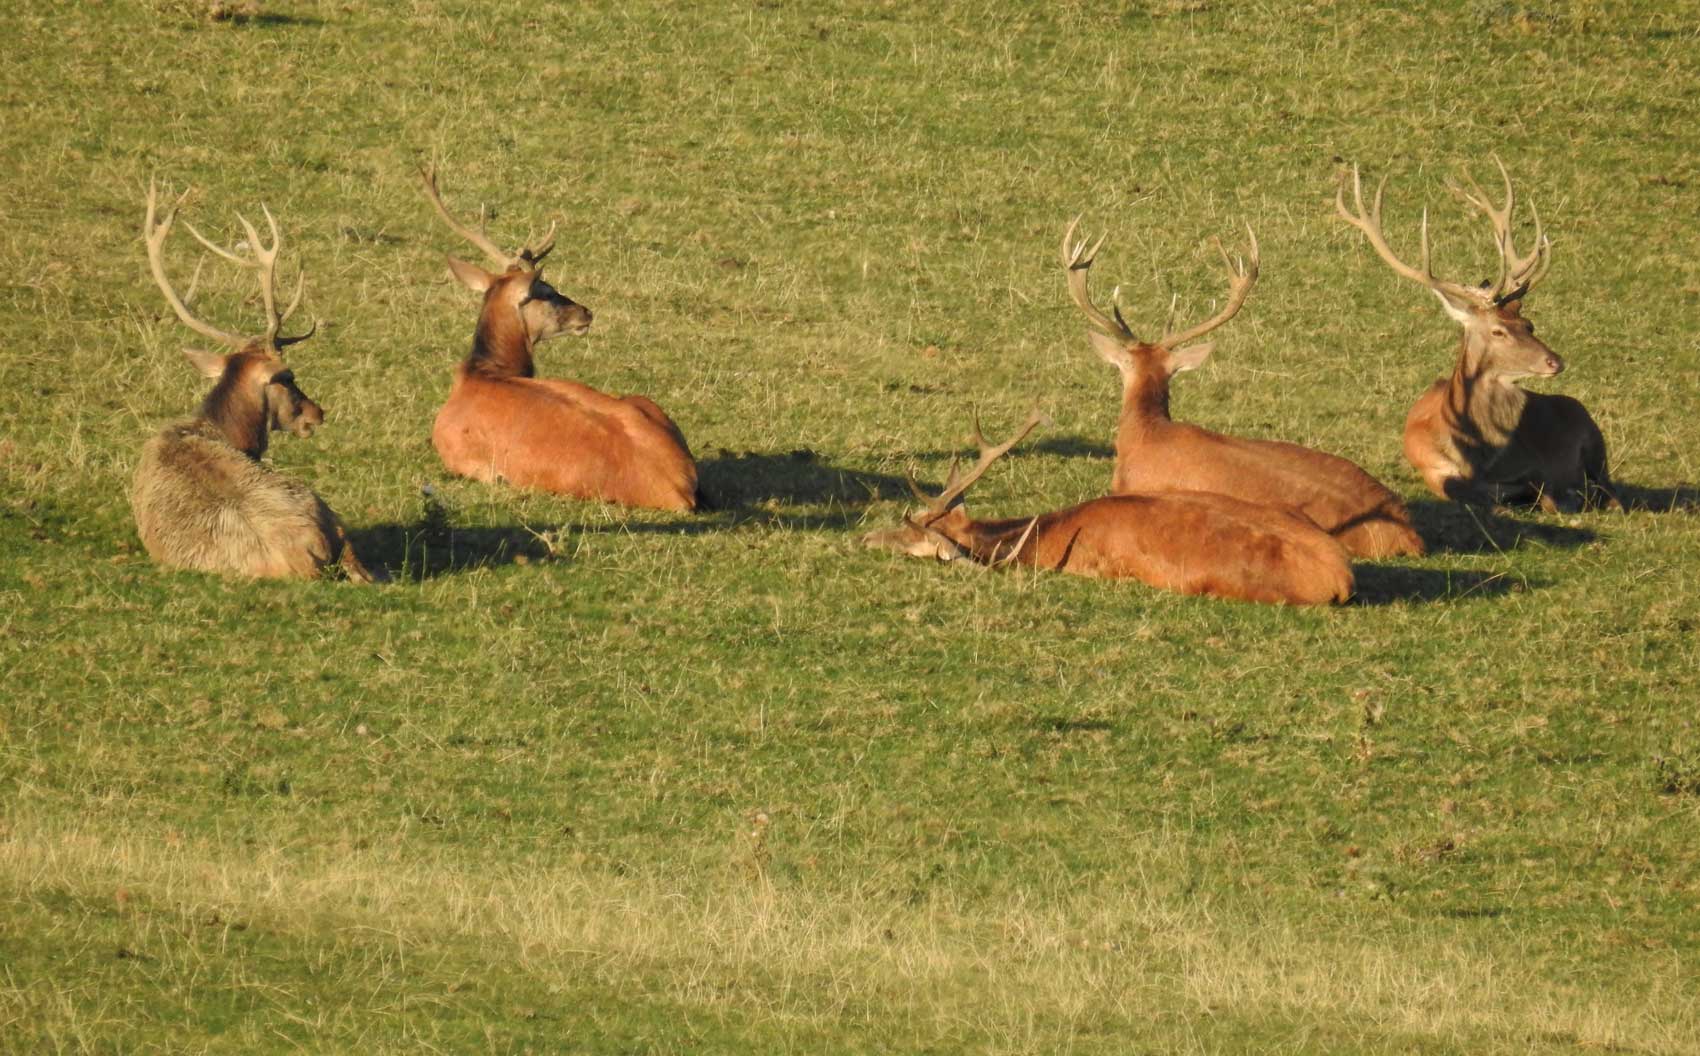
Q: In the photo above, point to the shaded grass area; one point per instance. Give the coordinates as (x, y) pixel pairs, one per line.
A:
(599, 780)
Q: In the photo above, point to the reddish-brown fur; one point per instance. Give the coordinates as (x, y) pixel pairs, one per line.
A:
(1156, 453)
(1476, 436)
(1190, 542)
(501, 422)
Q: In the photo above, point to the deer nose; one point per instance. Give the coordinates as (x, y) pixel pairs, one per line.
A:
(1554, 364)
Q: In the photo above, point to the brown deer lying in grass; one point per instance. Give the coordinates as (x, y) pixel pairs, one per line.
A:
(1475, 436)
(1156, 453)
(503, 423)
(202, 497)
(1191, 542)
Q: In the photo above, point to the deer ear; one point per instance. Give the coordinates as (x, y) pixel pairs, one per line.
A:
(1190, 358)
(471, 276)
(1455, 307)
(1111, 350)
(210, 364)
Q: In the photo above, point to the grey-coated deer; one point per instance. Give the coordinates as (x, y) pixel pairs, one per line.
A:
(1476, 436)
(202, 498)
(1156, 453)
(1191, 542)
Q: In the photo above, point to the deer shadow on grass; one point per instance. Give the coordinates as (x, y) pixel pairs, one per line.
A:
(1071, 447)
(1384, 583)
(1680, 498)
(743, 482)
(424, 550)
(734, 489)
(1457, 528)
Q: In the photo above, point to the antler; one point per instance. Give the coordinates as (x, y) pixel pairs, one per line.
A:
(497, 256)
(956, 483)
(1240, 282)
(1517, 275)
(264, 263)
(1369, 222)
(155, 235)
(1077, 261)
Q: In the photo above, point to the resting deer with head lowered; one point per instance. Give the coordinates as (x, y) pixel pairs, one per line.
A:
(1476, 436)
(1156, 453)
(501, 422)
(202, 497)
(1190, 542)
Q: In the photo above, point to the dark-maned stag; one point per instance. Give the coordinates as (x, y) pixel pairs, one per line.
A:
(202, 497)
(1191, 542)
(1476, 436)
(1156, 453)
(501, 422)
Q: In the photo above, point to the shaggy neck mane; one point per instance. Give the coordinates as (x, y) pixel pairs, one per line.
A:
(500, 346)
(237, 414)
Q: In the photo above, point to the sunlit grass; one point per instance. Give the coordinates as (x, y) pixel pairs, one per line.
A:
(513, 800)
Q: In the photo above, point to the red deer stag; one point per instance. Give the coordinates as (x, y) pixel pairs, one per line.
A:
(1191, 542)
(1477, 437)
(202, 497)
(501, 422)
(1156, 453)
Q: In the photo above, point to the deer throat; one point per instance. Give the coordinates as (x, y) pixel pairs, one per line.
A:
(1484, 408)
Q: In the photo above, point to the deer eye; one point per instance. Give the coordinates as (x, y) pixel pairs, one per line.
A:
(1499, 331)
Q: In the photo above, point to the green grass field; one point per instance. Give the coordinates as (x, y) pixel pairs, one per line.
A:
(589, 780)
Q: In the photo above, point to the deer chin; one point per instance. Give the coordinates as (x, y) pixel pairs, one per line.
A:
(574, 330)
(1550, 369)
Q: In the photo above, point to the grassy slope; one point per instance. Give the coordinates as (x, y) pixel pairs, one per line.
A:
(624, 782)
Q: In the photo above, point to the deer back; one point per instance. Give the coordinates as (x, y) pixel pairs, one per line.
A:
(202, 504)
(1187, 542)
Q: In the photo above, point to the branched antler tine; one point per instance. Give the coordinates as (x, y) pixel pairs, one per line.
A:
(154, 235)
(264, 264)
(1369, 222)
(194, 282)
(1077, 261)
(956, 485)
(1019, 544)
(535, 256)
(1523, 272)
(218, 249)
(1240, 282)
(915, 487)
(428, 178)
(1499, 219)
(295, 300)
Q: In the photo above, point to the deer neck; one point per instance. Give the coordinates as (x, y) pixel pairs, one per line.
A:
(1481, 395)
(1145, 406)
(501, 347)
(989, 541)
(239, 416)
